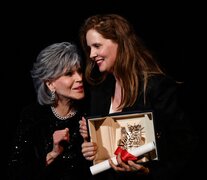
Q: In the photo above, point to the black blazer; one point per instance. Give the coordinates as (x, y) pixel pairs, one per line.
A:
(175, 138)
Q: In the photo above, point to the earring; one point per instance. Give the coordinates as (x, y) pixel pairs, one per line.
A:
(52, 96)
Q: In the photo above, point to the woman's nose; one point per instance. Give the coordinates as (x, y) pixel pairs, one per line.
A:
(78, 76)
(93, 54)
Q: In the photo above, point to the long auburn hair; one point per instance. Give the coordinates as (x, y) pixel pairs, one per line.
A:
(134, 63)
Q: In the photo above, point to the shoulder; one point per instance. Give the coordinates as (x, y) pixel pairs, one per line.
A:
(163, 85)
(34, 112)
(33, 108)
(158, 80)
(162, 82)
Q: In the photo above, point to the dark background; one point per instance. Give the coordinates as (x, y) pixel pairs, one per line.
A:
(174, 32)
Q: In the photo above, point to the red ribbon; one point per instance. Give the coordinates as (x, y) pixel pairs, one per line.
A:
(125, 155)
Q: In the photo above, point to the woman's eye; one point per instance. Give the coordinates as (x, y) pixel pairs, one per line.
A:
(69, 73)
(79, 71)
(97, 46)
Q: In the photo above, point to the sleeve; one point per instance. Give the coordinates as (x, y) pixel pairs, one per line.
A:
(176, 140)
(23, 163)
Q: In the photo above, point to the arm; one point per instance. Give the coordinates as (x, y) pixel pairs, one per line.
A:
(176, 139)
(24, 162)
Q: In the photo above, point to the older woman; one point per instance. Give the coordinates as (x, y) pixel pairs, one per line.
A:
(48, 143)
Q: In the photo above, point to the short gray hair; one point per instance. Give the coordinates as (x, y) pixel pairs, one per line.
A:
(51, 63)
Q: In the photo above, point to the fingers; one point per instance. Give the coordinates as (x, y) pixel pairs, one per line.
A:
(129, 166)
(66, 137)
(122, 167)
(138, 167)
(83, 129)
(88, 147)
(89, 150)
(83, 124)
(60, 135)
(67, 130)
(59, 138)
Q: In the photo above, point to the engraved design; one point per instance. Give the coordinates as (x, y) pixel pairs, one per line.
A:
(133, 137)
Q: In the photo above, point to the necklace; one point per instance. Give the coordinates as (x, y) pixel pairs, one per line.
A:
(69, 115)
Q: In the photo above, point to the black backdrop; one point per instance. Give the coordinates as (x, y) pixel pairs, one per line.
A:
(174, 32)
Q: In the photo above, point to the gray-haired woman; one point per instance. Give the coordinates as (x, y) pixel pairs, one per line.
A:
(48, 143)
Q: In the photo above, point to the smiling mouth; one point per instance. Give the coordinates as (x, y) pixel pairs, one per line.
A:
(79, 88)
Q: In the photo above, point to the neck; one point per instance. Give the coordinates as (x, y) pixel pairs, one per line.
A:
(116, 99)
(63, 112)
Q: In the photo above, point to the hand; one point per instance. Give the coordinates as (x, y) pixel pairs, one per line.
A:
(83, 129)
(58, 137)
(89, 150)
(129, 166)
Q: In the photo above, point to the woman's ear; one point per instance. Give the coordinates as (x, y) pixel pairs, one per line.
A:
(50, 86)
